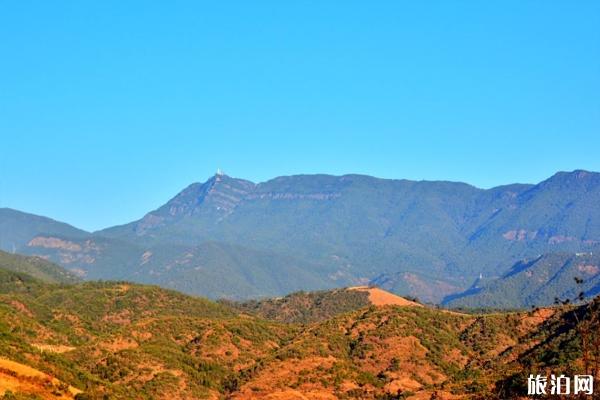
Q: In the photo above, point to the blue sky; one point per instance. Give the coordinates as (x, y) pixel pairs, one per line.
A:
(107, 109)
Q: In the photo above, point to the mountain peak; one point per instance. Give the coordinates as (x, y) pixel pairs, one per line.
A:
(216, 198)
(578, 174)
(578, 178)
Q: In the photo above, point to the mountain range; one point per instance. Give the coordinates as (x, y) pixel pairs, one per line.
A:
(232, 238)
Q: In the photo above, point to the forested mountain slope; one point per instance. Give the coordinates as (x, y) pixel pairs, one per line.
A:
(126, 341)
(233, 238)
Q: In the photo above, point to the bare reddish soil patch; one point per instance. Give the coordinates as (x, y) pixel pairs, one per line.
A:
(18, 377)
(379, 297)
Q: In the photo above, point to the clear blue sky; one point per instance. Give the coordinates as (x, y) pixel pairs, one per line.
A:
(109, 108)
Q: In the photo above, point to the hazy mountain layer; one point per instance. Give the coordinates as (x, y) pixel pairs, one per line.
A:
(535, 282)
(18, 228)
(233, 238)
(36, 267)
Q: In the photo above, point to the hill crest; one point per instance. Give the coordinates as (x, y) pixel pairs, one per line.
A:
(380, 297)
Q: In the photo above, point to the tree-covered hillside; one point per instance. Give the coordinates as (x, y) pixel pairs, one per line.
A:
(304, 307)
(535, 282)
(233, 238)
(18, 228)
(119, 340)
(36, 267)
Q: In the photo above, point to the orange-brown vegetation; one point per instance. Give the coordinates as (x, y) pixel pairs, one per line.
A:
(134, 342)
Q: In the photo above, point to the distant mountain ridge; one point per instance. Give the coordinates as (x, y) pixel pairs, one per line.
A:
(534, 282)
(36, 267)
(233, 238)
(18, 228)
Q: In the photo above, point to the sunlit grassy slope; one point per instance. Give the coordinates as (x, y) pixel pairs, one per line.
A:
(127, 341)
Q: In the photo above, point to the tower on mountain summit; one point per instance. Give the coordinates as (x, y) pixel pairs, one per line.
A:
(219, 172)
